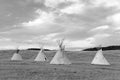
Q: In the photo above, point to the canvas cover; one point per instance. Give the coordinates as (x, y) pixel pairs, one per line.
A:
(16, 56)
(99, 59)
(60, 58)
(41, 56)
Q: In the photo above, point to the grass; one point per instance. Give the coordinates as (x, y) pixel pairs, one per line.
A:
(81, 69)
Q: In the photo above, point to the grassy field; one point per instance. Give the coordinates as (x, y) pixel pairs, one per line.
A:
(81, 69)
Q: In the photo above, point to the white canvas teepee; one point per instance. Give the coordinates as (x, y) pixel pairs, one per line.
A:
(16, 56)
(99, 59)
(60, 57)
(41, 56)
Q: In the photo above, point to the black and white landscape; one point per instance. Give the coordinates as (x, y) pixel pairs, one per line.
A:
(59, 40)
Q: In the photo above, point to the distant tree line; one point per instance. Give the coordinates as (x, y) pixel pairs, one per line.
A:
(114, 47)
(38, 49)
(103, 48)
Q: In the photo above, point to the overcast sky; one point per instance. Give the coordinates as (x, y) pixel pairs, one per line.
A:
(83, 23)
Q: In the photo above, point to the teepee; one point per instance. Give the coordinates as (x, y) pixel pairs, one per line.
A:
(16, 55)
(41, 56)
(60, 57)
(99, 58)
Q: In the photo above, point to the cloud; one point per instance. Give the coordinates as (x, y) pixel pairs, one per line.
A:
(97, 36)
(43, 17)
(100, 28)
(5, 39)
(114, 19)
(73, 9)
(73, 33)
(60, 3)
(43, 24)
(39, 1)
(100, 38)
(81, 44)
(82, 22)
(105, 3)
(67, 25)
(53, 3)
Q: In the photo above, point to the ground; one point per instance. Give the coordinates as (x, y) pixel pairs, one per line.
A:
(80, 69)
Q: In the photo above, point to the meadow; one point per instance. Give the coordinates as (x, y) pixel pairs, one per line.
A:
(80, 69)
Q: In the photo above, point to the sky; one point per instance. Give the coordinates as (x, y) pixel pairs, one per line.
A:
(83, 23)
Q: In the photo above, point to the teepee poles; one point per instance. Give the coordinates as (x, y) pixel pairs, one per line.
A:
(60, 57)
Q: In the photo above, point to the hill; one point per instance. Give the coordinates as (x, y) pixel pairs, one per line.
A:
(38, 49)
(104, 48)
